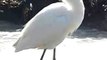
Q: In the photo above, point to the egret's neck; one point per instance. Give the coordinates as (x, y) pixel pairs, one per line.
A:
(77, 11)
(76, 5)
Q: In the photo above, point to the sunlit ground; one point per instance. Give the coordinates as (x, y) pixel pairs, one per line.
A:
(87, 48)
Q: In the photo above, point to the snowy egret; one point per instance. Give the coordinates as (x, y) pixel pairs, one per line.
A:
(51, 25)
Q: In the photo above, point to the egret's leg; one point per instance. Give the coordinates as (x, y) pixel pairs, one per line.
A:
(54, 54)
(43, 54)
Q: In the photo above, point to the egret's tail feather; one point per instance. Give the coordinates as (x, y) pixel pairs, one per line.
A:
(14, 45)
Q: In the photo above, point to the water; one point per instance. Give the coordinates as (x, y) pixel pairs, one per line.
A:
(84, 44)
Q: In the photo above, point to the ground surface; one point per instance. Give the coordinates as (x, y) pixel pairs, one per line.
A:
(84, 44)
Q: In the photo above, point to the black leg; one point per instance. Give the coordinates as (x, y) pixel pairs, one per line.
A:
(54, 54)
(43, 54)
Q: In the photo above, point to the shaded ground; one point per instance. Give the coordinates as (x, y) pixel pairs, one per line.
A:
(82, 32)
(8, 26)
(89, 33)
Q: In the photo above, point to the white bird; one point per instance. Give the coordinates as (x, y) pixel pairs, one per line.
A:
(51, 25)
